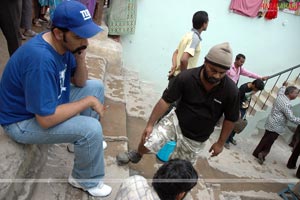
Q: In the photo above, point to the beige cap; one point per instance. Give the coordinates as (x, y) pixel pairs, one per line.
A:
(220, 55)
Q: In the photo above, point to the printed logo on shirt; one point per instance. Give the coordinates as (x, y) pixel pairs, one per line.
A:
(86, 14)
(216, 100)
(62, 75)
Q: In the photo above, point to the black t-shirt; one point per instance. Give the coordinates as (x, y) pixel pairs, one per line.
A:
(198, 110)
(245, 96)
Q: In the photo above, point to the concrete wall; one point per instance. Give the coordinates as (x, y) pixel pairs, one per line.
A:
(269, 45)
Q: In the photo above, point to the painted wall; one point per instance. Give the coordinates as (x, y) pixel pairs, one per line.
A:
(269, 46)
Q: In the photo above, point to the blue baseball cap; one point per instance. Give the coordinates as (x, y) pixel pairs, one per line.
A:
(75, 17)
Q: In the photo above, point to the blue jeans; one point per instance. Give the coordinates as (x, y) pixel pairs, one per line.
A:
(84, 131)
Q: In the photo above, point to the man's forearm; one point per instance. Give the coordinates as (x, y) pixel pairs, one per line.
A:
(227, 128)
(174, 58)
(160, 108)
(66, 111)
(81, 72)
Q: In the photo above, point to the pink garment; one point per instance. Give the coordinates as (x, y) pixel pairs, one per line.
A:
(248, 8)
(234, 73)
(90, 4)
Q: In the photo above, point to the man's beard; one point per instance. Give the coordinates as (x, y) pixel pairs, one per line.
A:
(211, 80)
(78, 50)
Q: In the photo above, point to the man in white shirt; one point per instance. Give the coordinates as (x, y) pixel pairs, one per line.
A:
(276, 121)
(173, 180)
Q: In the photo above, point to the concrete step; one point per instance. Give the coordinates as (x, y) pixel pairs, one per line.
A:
(265, 99)
(297, 82)
(260, 102)
(20, 166)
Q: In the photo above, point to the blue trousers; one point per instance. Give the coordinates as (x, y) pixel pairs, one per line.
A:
(83, 130)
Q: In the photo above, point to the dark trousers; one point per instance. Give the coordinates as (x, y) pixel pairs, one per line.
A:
(10, 17)
(26, 19)
(232, 134)
(265, 144)
(295, 138)
(294, 157)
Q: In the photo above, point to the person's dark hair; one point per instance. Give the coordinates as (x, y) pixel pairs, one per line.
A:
(239, 56)
(290, 89)
(199, 19)
(258, 84)
(62, 29)
(174, 177)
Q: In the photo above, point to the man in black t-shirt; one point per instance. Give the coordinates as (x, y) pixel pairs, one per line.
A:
(204, 94)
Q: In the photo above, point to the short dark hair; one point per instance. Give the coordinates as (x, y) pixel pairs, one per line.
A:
(180, 176)
(239, 56)
(258, 84)
(199, 19)
(290, 89)
(60, 28)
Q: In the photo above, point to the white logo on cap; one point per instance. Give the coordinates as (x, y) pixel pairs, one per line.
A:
(86, 14)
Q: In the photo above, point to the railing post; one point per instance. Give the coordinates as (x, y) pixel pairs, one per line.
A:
(270, 92)
(278, 75)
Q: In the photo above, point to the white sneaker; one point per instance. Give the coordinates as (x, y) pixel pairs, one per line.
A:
(70, 147)
(101, 190)
(104, 145)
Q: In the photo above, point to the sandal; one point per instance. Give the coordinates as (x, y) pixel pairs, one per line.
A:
(36, 23)
(43, 19)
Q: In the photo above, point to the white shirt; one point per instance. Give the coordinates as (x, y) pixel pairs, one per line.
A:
(136, 188)
(280, 113)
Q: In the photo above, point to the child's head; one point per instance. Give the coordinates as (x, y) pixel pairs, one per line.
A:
(258, 84)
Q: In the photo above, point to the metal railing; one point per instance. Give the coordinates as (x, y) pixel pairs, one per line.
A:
(277, 76)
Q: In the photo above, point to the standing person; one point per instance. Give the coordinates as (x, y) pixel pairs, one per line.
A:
(10, 19)
(173, 180)
(51, 4)
(39, 105)
(276, 121)
(236, 70)
(121, 19)
(90, 4)
(295, 138)
(292, 162)
(188, 51)
(26, 19)
(246, 91)
(203, 94)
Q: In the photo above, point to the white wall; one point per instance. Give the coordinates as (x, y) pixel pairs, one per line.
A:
(269, 46)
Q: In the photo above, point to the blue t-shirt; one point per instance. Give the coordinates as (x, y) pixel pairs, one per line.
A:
(35, 80)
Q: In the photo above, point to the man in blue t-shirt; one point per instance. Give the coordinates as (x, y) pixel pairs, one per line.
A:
(46, 98)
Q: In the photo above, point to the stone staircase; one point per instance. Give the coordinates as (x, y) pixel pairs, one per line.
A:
(40, 171)
(261, 105)
(264, 101)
